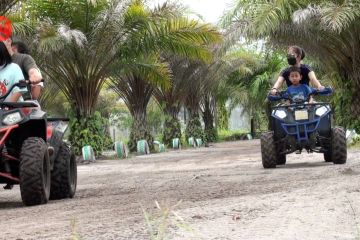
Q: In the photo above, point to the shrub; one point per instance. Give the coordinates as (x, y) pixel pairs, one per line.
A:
(89, 131)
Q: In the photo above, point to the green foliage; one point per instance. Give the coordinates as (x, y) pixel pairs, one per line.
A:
(232, 135)
(172, 129)
(89, 131)
(77, 14)
(211, 134)
(139, 131)
(222, 117)
(108, 103)
(194, 128)
(155, 118)
(343, 103)
(355, 142)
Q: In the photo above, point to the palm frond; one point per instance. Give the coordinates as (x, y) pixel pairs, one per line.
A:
(337, 17)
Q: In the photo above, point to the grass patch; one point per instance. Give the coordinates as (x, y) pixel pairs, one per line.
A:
(74, 232)
(165, 218)
(355, 143)
(232, 135)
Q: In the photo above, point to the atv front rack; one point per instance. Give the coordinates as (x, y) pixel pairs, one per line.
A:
(300, 105)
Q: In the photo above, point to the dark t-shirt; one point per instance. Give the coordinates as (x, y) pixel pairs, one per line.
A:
(25, 61)
(305, 70)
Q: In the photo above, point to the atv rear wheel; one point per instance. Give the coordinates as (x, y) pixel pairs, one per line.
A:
(64, 174)
(338, 145)
(268, 150)
(34, 172)
(281, 159)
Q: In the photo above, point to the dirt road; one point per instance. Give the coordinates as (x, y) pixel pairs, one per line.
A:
(225, 193)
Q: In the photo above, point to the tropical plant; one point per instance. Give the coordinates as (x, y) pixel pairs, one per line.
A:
(89, 131)
(171, 98)
(157, 33)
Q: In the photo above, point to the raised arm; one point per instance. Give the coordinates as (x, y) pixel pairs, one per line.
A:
(277, 85)
(15, 78)
(314, 81)
(34, 75)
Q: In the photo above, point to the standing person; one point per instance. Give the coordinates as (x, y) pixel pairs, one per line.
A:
(29, 69)
(295, 55)
(10, 74)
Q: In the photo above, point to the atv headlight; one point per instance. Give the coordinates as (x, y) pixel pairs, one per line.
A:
(12, 118)
(321, 111)
(280, 114)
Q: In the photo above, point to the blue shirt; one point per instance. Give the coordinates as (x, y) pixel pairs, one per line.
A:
(300, 92)
(305, 70)
(9, 76)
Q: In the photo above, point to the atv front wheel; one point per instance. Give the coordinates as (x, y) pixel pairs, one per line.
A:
(268, 150)
(34, 172)
(64, 174)
(338, 145)
(327, 157)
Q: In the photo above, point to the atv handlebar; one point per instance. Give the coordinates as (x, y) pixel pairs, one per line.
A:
(20, 84)
(285, 95)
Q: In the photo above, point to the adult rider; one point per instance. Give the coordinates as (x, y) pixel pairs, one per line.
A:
(295, 55)
(28, 67)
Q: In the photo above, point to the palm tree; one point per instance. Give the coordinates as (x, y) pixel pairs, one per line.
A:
(172, 34)
(170, 98)
(329, 29)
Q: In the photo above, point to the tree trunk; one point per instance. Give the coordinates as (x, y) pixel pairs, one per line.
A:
(208, 118)
(139, 130)
(223, 117)
(252, 126)
(172, 129)
(193, 127)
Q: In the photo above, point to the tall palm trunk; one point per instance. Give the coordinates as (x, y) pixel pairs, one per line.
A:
(136, 93)
(193, 127)
(223, 116)
(139, 128)
(208, 118)
(172, 126)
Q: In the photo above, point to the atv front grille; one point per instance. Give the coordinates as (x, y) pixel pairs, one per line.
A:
(301, 130)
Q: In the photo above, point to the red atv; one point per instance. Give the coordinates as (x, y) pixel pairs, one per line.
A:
(33, 153)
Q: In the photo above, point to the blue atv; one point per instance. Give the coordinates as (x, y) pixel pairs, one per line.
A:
(296, 125)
